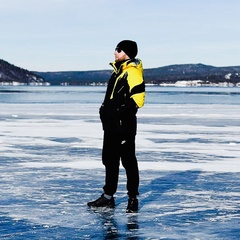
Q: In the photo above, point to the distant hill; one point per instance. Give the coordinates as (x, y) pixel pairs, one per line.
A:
(76, 77)
(12, 75)
(206, 73)
(172, 74)
(168, 74)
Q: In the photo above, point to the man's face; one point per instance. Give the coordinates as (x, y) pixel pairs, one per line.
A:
(120, 55)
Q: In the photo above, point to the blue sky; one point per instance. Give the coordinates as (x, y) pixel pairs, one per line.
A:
(65, 35)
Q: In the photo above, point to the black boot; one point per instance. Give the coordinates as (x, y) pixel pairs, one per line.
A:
(102, 202)
(132, 206)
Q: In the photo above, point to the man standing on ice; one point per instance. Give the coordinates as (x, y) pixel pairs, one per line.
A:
(124, 95)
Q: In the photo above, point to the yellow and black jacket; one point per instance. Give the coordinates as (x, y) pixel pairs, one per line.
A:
(125, 94)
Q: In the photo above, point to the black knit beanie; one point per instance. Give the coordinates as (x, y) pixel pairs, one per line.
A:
(129, 47)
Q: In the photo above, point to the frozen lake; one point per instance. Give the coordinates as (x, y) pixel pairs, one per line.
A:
(188, 148)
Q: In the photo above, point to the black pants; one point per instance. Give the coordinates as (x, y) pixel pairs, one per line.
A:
(116, 147)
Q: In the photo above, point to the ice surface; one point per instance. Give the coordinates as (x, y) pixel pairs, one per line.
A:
(189, 162)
